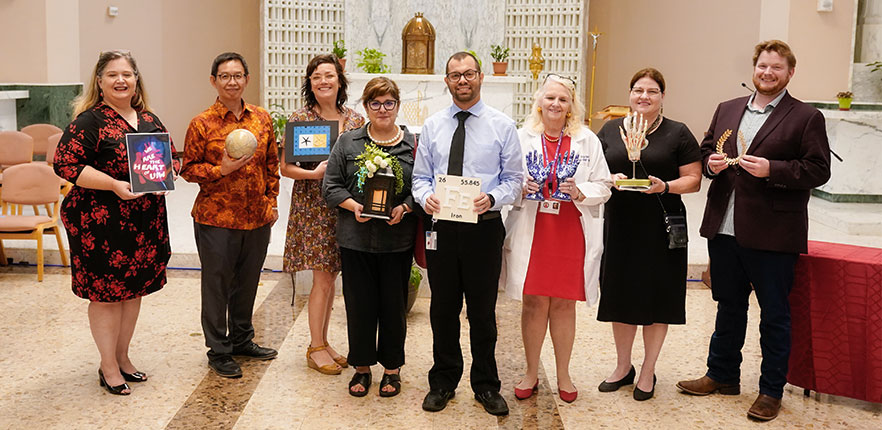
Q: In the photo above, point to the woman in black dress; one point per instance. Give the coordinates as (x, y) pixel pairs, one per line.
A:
(642, 281)
(118, 240)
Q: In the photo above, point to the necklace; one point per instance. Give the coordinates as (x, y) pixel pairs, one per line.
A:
(394, 139)
(551, 139)
(655, 124)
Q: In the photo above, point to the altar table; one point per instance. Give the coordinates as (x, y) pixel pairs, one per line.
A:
(836, 307)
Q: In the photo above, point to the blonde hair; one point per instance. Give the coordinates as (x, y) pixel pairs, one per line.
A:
(92, 94)
(576, 120)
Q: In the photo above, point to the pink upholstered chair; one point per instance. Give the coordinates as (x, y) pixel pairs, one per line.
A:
(50, 160)
(53, 145)
(41, 133)
(32, 184)
(15, 148)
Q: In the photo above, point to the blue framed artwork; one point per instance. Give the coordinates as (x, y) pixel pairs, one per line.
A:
(309, 140)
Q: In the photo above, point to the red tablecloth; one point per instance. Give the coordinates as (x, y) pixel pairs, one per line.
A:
(836, 303)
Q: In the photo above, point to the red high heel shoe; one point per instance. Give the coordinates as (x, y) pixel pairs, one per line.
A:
(568, 396)
(523, 394)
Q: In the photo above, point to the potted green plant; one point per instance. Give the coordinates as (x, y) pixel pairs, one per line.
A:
(413, 285)
(340, 52)
(371, 61)
(279, 121)
(500, 57)
(845, 98)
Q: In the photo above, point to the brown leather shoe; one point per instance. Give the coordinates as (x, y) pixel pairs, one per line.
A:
(765, 408)
(705, 385)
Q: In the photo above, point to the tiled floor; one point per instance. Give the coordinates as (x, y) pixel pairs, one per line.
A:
(48, 364)
(48, 361)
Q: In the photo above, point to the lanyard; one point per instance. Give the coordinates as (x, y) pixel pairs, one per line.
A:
(553, 170)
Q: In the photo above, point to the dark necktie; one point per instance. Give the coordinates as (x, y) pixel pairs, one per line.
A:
(457, 145)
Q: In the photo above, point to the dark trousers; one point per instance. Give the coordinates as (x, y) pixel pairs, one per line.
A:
(733, 269)
(375, 293)
(231, 264)
(467, 263)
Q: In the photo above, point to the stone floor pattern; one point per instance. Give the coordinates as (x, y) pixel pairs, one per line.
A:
(48, 368)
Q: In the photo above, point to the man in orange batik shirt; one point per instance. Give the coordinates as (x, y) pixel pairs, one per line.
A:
(232, 215)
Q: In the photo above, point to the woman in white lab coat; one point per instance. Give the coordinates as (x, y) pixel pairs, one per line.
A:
(554, 232)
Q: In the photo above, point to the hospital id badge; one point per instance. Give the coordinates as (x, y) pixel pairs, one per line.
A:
(431, 240)
(549, 207)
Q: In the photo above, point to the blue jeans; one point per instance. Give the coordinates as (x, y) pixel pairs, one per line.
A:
(733, 270)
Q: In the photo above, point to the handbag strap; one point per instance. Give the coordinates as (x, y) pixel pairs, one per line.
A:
(655, 194)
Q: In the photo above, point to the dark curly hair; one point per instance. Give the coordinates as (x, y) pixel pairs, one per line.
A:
(306, 89)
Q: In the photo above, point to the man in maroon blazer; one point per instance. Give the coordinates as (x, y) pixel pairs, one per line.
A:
(756, 221)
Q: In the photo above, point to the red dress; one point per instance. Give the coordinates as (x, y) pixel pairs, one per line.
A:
(557, 255)
(119, 249)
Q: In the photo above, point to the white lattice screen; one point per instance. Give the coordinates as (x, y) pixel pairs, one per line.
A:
(294, 31)
(558, 27)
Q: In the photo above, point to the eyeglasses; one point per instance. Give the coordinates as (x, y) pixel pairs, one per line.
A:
(555, 76)
(375, 105)
(651, 92)
(469, 75)
(225, 77)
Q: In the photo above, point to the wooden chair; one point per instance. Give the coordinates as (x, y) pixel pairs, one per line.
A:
(50, 160)
(32, 184)
(40, 133)
(15, 148)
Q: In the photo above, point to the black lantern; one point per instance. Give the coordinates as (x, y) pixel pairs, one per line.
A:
(378, 192)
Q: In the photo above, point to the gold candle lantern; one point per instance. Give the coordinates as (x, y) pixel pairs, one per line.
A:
(418, 46)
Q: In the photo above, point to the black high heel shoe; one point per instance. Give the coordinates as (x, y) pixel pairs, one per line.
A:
(117, 390)
(134, 377)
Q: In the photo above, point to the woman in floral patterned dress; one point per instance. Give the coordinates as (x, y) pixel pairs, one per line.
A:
(118, 240)
(310, 243)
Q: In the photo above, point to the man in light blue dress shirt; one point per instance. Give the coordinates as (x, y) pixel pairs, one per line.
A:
(468, 139)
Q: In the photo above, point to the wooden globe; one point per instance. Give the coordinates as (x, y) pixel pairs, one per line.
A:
(240, 143)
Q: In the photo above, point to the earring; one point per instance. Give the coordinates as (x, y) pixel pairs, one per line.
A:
(539, 109)
(569, 114)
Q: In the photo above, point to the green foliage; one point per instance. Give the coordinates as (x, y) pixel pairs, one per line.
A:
(875, 66)
(416, 277)
(279, 120)
(499, 53)
(371, 61)
(339, 48)
(371, 160)
(480, 64)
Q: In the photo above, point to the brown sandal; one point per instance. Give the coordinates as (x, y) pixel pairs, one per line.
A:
(327, 369)
(340, 360)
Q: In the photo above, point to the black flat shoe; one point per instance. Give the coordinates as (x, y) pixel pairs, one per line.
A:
(608, 387)
(361, 378)
(225, 366)
(436, 400)
(640, 395)
(117, 390)
(393, 380)
(493, 403)
(255, 351)
(134, 377)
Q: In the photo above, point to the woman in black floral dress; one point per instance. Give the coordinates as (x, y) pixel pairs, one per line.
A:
(119, 242)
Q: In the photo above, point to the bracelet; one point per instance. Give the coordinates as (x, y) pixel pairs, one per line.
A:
(667, 188)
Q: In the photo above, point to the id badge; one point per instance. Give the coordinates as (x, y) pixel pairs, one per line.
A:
(431, 240)
(549, 207)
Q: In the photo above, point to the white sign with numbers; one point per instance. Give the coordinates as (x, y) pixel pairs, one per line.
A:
(457, 195)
